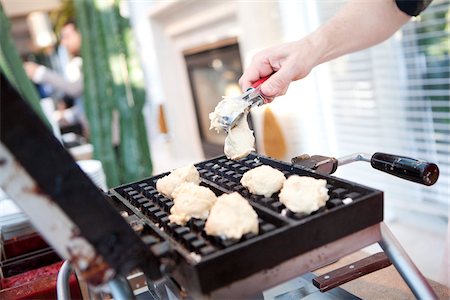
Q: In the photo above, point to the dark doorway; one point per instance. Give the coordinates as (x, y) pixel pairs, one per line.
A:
(214, 71)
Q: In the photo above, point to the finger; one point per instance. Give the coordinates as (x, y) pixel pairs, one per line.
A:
(257, 70)
(246, 79)
(268, 99)
(277, 84)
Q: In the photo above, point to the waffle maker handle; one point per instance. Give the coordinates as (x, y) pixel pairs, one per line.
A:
(407, 168)
(411, 169)
(335, 278)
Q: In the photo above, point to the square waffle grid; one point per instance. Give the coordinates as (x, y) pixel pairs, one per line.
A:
(209, 255)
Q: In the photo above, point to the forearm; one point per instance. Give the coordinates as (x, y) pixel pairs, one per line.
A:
(358, 25)
(71, 88)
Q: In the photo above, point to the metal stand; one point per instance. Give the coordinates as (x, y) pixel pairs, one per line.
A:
(120, 289)
(62, 282)
(327, 254)
(302, 264)
(404, 265)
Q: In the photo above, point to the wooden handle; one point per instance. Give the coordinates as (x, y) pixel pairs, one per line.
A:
(352, 271)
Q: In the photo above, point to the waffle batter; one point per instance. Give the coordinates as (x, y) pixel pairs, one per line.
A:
(169, 183)
(231, 217)
(263, 180)
(225, 108)
(191, 201)
(240, 140)
(302, 194)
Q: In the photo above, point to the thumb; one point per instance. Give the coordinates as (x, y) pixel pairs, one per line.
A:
(276, 85)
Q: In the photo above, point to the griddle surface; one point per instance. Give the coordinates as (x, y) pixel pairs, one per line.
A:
(210, 262)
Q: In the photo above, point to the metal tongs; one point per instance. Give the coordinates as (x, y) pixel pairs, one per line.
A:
(253, 96)
(411, 169)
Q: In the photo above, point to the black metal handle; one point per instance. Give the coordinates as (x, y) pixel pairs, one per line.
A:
(407, 168)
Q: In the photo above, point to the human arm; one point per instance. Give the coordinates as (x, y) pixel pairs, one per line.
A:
(358, 25)
(41, 74)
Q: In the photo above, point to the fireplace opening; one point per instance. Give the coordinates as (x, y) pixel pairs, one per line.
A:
(214, 71)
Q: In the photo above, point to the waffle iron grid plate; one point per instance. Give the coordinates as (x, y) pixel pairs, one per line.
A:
(208, 263)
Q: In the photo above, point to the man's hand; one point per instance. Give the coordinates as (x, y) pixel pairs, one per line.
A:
(358, 25)
(30, 68)
(290, 61)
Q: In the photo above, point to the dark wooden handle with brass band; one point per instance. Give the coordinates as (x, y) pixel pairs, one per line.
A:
(352, 271)
(407, 168)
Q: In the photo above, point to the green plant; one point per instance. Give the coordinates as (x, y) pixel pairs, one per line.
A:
(113, 84)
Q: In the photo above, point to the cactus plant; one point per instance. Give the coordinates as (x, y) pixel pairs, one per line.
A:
(111, 87)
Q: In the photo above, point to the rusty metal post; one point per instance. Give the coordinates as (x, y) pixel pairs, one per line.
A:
(62, 203)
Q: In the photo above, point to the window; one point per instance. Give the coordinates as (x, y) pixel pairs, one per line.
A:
(394, 98)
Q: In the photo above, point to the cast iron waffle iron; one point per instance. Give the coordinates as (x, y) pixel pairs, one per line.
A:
(205, 263)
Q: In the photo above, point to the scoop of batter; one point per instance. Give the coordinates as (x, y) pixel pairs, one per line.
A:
(167, 184)
(302, 194)
(263, 180)
(228, 107)
(191, 201)
(231, 217)
(240, 140)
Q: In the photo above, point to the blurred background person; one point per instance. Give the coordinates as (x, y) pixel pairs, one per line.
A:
(71, 85)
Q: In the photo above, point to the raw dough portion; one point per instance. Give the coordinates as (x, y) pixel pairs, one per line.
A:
(191, 201)
(231, 217)
(226, 108)
(240, 140)
(302, 194)
(263, 180)
(169, 183)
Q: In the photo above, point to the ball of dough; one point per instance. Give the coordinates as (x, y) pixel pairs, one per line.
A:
(263, 180)
(302, 194)
(191, 201)
(228, 107)
(231, 217)
(239, 141)
(169, 183)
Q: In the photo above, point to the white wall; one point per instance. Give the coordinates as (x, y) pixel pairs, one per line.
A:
(166, 28)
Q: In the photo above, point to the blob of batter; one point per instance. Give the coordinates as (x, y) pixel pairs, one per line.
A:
(226, 108)
(263, 180)
(302, 194)
(240, 140)
(231, 217)
(169, 183)
(191, 201)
